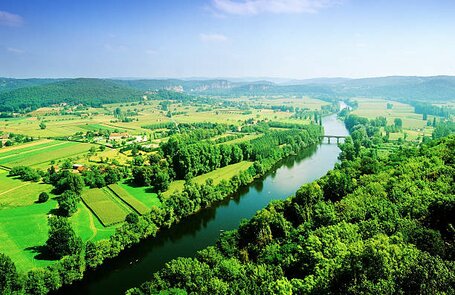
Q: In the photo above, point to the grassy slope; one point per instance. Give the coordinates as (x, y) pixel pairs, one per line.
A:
(217, 175)
(16, 193)
(143, 194)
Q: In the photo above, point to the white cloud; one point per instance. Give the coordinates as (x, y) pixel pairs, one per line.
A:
(219, 38)
(15, 50)
(10, 19)
(252, 7)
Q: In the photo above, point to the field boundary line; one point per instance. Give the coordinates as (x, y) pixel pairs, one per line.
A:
(126, 203)
(30, 151)
(14, 188)
(93, 212)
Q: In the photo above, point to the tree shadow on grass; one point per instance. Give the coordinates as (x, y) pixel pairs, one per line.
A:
(41, 252)
(55, 211)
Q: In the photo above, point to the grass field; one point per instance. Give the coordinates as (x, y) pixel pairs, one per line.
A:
(15, 192)
(141, 193)
(413, 124)
(107, 207)
(22, 230)
(137, 205)
(40, 156)
(88, 227)
(217, 175)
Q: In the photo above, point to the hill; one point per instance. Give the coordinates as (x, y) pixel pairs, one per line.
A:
(92, 92)
(437, 88)
(9, 84)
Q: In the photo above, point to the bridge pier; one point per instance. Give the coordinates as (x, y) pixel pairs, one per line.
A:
(329, 137)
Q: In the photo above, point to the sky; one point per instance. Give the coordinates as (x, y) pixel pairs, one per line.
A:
(226, 38)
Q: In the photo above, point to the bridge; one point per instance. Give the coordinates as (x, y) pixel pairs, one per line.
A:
(337, 137)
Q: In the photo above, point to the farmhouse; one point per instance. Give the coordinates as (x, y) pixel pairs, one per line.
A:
(140, 138)
(118, 135)
(78, 167)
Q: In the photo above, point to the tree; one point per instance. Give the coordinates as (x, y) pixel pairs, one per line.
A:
(161, 180)
(9, 279)
(42, 126)
(398, 123)
(389, 106)
(43, 197)
(68, 202)
(70, 181)
(111, 175)
(62, 239)
(132, 218)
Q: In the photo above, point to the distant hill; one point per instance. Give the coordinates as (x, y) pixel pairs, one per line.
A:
(431, 89)
(29, 94)
(9, 84)
(92, 92)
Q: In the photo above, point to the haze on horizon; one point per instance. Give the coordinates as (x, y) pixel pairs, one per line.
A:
(226, 38)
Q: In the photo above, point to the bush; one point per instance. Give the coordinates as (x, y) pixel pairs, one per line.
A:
(43, 197)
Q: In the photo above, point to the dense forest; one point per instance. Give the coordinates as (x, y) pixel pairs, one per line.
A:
(379, 223)
(92, 92)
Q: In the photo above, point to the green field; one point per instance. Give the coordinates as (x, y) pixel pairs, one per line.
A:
(138, 206)
(217, 175)
(88, 227)
(40, 156)
(107, 207)
(22, 229)
(15, 192)
(141, 193)
(413, 124)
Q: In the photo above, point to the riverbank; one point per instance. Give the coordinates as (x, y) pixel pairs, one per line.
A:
(134, 266)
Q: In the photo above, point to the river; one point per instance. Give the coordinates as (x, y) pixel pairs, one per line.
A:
(137, 264)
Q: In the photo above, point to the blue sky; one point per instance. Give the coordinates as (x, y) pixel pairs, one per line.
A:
(226, 38)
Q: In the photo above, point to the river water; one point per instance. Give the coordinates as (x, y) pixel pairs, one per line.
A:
(137, 264)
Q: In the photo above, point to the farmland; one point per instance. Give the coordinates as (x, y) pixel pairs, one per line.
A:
(135, 204)
(107, 207)
(413, 124)
(17, 193)
(40, 156)
(217, 176)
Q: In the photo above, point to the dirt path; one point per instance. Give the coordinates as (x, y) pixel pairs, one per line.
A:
(14, 188)
(92, 226)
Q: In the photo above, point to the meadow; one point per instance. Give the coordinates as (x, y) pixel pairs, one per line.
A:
(40, 156)
(224, 173)
(413, 124)
(105, 206)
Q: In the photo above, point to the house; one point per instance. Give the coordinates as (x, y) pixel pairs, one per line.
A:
(4, 138)
(140, 138)
(118, 135)
(78, 167)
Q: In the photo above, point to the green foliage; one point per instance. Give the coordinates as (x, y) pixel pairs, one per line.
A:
(92, 92)
(68, 202)
(25, 173)
(43, 197)
(62, 240)
(67, 180)
(9, 278)
(373, 225)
